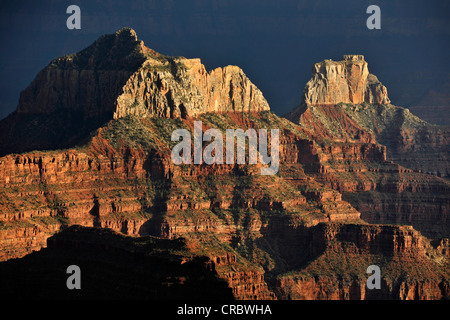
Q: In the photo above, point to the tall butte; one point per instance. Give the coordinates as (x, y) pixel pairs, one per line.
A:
(344, 102)
(116, 76)
(346, 81)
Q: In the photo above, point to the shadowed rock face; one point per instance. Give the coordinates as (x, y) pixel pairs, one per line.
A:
(346, 81)
(72, 96)
(161, 269)
(88, 81)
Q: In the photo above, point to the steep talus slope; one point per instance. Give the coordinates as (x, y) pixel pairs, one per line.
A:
(255, 230)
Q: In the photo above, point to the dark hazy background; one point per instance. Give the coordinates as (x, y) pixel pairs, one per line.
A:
(274, 42)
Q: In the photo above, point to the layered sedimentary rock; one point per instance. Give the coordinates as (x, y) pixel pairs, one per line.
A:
(342, 100)
(255, 230)
(162, 269)
(394, 190)
(181, 88)
(411, 267)
(229, 213)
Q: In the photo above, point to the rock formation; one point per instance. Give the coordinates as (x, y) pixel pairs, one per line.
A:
(355, 245)
(78, 93)
(410, 142)
(347, 91)
(346, 81)
(181, 88)
(268, 237)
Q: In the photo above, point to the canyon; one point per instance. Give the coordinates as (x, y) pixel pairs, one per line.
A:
(87, 155)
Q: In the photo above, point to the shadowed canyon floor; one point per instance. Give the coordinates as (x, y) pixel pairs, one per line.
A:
(348, 193)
